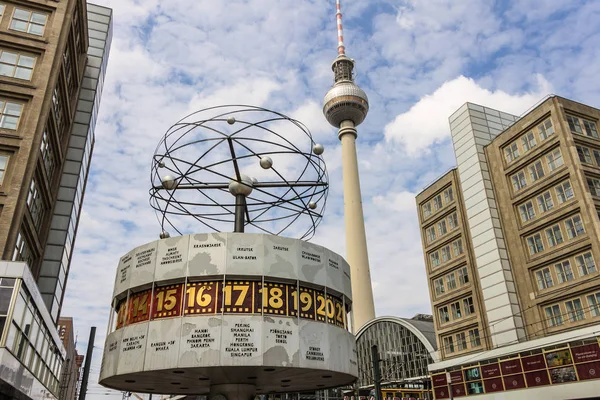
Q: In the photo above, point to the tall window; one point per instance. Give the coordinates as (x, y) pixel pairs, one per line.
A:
(574, 226)
(584, 155)
(544, 279)
(554, 160)
(574, 124)
(468, 306)
(456, 313)
(449, 344)
(2, 8)
(594, 186)
(442, 227)
(444, 316)
(446, 255)
(518, 181)
(463, 276)
(435, 259)
(535, 244)
(526, 211)
(448, 195)
(554, 235)
(451, 281)
(10, 113)
(528, 141)
(457, 247)
(564, 192)
(22, 250)
(29, 22)
(585, 264)
(563, 271)
(47, 155)
(437, 202)
(427, 209)
(439, 286)
(590, 129)
(553, 315)
(16, 65)
(3, 163)
(536, 171)
(461, 341)
(594, 303)
(545, 202)
(474, 336)
(574, 310)
(511, 151)
(453, 221)
(545, 129)
(430, 232)
(34, 203)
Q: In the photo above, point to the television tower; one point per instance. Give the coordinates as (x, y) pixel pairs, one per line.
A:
(345, 107)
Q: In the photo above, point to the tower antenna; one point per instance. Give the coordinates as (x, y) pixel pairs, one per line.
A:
(338, 15)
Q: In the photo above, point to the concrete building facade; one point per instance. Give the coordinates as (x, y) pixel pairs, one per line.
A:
(50, 86)
(530, 191)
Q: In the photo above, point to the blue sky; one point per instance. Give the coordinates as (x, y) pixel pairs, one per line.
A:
(417, 60)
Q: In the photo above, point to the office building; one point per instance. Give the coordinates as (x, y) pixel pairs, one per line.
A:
(50, 86)
(69, 379)
(525, 193)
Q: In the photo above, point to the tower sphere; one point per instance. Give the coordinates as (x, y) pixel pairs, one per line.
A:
(345, 101)
(243, 186)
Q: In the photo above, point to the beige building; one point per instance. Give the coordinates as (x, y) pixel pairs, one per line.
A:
(525, 200)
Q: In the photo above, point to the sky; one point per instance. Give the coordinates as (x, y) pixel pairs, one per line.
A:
(418, 61)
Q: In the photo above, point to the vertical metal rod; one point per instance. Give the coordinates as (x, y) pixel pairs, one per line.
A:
(88, 364)
(240, 208)
(376, 372)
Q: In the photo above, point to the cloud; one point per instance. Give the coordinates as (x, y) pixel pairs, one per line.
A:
(426, 123)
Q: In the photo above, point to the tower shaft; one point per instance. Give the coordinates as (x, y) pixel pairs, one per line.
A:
(363, 308)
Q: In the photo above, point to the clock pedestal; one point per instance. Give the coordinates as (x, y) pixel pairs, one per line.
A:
(230, 391)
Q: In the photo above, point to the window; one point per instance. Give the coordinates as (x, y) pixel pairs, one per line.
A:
(518, 181)
(590, 129)
(574, 226)
(448, 195)
(446, 256)
(544, 279)
(574, 310)
(468, 306)
(585, 264)
(535, 244)
(545, 202)
(564, 192)
(528, 141)
(10, 113)
(456, 314)
(16, 65)
(511, 151)
(451, 281)
(435, 259)
(47, 155)
(453, 221)
(594, 186)
(584, 155)
(437, 202)
(546, 129)
(427, 209)
(461, 341)
(526, 211)
(449, 344)
(553, 316)
(457, 247)
(554, 160)
(463, 276)
(474, 337)
(574, 125)
(439, 286)
(594, 303)
(430, 234)
(22, 251)
(34, 203)
(442, 227)
(554, 235)
(597, 156)
(2, 8)
(3, 163)
(29, 22)
(563, 271)
(536, 171)
(444, 316)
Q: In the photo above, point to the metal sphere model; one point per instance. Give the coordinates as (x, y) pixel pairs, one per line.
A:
(195, 161)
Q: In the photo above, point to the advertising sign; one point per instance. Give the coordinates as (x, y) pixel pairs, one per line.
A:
(490, 370)
(562, 375)
(514, 382)
(537, 378)
(589, 370)
(511, 366)
(558, 358)
(493, 385)
(587, 353)
(533, 363)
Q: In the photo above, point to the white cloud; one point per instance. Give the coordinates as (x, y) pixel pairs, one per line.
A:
(426, 122)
